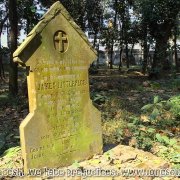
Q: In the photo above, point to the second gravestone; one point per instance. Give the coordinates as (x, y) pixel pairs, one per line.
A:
(63, 125)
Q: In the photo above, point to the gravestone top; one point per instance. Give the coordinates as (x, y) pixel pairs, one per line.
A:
(62, 125)
(56, 8)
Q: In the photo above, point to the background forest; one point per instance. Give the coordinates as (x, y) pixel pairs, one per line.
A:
(113, 23)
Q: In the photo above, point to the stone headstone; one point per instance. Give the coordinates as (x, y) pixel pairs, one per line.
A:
(62, 126)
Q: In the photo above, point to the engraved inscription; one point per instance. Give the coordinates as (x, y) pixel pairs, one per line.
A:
(61, 94)
(68, 145)
(61, 84)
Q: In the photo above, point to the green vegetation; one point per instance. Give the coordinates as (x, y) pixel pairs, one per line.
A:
(148, 121)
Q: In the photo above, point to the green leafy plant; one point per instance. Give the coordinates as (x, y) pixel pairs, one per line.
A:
(11, 151)
(165, 140)
(145, 132)
(76, 164)
(119, 134)
(174, 105)
(155, 108)
(176, 83)
(171, 154)
(98, 98)
(143, 135)
(108, 155)
(155, 85)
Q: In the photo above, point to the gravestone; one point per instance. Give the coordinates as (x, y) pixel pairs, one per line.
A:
(62, 126)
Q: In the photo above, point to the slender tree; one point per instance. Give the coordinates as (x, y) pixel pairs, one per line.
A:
(145, 46)
(2, 75)
(3, 19)
(109, 32)
(13, 71)
(94, 17)
(28, 15)
(176, 33)
(123, 7)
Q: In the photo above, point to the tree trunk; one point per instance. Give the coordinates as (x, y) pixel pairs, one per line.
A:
(159, 59)
(81, 19)
(132, 48)
(112, 42)
(127, 56)
(98, 56)
(145, 50)
(120, 58)
(95, 39)
(175, 52)
(27, 26)
(121, 42)
(115, 16)
(13, 71)
(2, 75)
(160, 62)
(8, 34)
(133, 60)
(145, 57)
(111, 55)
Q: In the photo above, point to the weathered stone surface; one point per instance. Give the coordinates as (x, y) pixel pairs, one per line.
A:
(63, 125)
(118, 159)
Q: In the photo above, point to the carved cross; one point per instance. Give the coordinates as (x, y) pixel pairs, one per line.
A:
(61, 40)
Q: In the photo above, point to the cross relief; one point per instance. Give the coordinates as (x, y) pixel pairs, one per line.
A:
(61, 41)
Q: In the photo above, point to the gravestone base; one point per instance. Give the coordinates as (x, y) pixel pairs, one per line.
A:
(50, 147)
